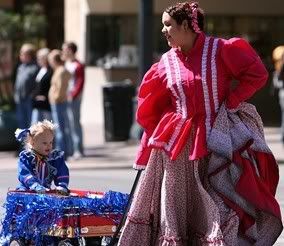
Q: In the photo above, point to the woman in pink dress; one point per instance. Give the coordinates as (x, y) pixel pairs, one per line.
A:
(210, 178)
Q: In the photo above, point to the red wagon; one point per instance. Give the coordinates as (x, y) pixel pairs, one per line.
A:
(82, 218)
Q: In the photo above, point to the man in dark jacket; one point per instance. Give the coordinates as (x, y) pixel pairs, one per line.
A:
(24, 85)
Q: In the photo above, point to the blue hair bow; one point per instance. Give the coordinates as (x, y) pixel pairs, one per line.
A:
(21, 134)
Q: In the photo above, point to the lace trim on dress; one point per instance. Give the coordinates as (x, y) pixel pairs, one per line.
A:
(181, 107)
(214, 75)
(205, 87)
(183, 110)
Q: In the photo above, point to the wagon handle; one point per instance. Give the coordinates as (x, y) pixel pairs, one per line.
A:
(114, 237)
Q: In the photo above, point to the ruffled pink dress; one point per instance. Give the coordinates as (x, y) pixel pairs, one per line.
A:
(178, 101)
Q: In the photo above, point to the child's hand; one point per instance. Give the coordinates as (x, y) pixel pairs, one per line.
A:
(62, 190)
(38, 188)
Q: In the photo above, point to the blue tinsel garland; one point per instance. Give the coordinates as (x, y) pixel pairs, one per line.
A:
(30, 216)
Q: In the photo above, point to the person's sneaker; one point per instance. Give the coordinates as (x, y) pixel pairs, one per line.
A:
(77, 155)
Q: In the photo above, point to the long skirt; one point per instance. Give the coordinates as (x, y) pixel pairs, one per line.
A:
(175, 205)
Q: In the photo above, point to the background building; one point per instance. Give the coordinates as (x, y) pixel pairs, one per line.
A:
(103, 28)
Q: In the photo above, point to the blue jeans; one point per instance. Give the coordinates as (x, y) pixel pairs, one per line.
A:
(24, 112)
(40, 115)
(74, 114)
(62, 133)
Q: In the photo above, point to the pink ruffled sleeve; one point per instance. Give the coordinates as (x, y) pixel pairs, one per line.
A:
(246, 67)
(153, 100)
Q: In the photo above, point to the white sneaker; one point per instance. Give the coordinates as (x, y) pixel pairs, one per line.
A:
(77, 155)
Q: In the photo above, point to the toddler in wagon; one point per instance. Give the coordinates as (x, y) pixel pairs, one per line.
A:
(39, 164)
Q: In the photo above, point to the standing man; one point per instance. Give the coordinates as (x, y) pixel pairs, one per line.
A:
(25, 84)
(75, 91)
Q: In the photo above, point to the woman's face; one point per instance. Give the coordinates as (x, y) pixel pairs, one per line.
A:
(173, 32)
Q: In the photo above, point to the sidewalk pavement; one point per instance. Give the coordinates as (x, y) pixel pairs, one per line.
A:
(98, 153)
(104, 155)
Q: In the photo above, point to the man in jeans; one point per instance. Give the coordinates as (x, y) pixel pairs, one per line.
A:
(24, 85)
(75, 91)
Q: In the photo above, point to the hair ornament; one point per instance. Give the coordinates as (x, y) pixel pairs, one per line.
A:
(21, 134)
(194, 22)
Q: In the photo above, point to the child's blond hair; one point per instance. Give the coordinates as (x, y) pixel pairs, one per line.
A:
(41, 126)
(33, 131)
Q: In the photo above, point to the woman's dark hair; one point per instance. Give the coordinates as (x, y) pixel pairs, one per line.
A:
(72, 46)
(185, 11)
(55, 55)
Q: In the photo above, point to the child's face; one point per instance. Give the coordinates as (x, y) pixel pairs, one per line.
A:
(42, 142)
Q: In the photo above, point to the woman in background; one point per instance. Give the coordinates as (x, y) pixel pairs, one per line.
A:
(58, 101)
(40, 102)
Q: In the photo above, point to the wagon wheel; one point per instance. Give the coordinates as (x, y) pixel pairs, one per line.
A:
(17, 242)
(82, 241)
(66, 242)
(106, 240)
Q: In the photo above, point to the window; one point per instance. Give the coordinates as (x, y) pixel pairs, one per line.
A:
(106, 33)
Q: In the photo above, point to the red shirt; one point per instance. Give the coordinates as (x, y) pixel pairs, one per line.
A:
(77, 81)
(180, 95)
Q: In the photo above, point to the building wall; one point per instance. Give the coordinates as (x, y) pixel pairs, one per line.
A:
(232, 7)
(75, 12)
(240, 7)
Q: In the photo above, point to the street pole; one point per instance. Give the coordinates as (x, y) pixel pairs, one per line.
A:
(145, 52)
(145, 36)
